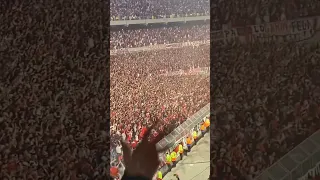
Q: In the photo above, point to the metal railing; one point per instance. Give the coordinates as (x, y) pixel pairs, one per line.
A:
(296, 163)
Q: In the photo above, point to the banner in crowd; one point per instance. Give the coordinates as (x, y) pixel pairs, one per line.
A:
(224, 36)
(186, 44)
(192, 71)
(284, 31)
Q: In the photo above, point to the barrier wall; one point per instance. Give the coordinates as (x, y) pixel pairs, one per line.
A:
(160, 20)
(159, 47)
(185, 128)
(300, 162)
(180, 134)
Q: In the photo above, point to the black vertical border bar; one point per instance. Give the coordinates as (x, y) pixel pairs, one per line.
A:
(106, 42)
(212, 86)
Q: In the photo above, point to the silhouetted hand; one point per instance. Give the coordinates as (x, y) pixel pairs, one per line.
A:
(176, 175)
(144, 160)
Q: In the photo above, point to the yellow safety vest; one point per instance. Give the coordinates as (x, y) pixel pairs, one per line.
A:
(207, 123)
(168, 158)
(173, 156)
(159, 175)
(180, 149)
(194, 134)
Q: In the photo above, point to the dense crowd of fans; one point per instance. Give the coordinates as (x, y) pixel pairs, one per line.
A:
(142, 94)
(163, 35)
(248, 12)
(52, 87)
(223, 13)
(267, 101)
(136, 9)
(45, 64)
(235, 14)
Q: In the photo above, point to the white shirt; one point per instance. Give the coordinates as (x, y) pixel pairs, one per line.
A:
(135, 128)
(124, 136)
(118, 149)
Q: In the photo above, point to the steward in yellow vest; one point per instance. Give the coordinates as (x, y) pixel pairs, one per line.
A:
(159, 176)
(181, 150)
(195, 136)
(168, 161)
(207, 123)
(174, 158)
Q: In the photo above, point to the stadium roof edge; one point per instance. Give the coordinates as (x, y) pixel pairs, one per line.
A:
(158, 21)
(297, 162)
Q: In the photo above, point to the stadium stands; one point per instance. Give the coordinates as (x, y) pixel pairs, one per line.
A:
(248, 12)
(143, 90)
(260, 123)
(267, 102)
(137, 9)
(228, 13)
(302, 162)
(148, 36)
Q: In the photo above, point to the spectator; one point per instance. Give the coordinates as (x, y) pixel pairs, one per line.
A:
(143, 162)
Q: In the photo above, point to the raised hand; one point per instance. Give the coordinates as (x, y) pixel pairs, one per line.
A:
(144, 160)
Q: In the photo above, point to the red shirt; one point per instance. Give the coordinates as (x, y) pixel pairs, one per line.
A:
(120, 158)
(143, 131)
(163, 108)
(155, 134)
(129, 137)
(134, 144)
(114, 171)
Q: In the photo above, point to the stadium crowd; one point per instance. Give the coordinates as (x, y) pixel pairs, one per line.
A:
(248, 12)
(162, 35)
(144, 90)
(224, 14)
(124, 9)
(227, 12)
(50, 91)
(267, 102)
